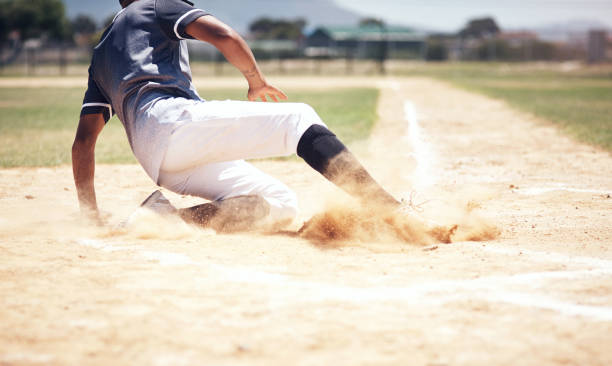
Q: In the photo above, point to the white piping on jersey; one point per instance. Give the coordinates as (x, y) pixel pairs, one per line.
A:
(180, 20)
(110, 108)
(120, 11)
(107, 34)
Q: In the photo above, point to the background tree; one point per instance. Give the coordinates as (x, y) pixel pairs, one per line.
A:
(84, 24)
(26, 19)
(381, 47)
(34, 19)
(480, 28)
(365, 22)
(107, 21)
(94, 38)
(278, 29)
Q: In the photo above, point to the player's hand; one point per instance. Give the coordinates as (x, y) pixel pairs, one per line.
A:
(265, 91)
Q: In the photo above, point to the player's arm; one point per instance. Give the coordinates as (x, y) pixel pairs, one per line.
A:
(211, 30)
(83, 162)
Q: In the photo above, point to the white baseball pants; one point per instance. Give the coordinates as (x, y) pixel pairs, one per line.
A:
(205, 152)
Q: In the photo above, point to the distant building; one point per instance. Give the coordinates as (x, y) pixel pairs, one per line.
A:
(365, 42)
(597, 46)
(275, 48)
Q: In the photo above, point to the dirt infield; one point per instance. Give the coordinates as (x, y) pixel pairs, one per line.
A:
(164, 293)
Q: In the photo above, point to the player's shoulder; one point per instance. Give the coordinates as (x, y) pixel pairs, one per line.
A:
(171, 6)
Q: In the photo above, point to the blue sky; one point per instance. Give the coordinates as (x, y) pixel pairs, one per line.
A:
(439, 15)
(450, 15)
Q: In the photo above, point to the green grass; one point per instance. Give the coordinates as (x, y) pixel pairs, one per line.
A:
(578, 100)
(37, 126)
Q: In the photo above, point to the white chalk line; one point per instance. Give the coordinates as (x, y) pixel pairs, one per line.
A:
(97, 244)
(168, 259)
(436, 293)
(163, 258)
(425, 159)
(433, 292)
(491, 289)
(421, 152)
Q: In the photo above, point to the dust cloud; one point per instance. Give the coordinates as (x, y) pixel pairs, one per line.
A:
(146, 224)
(344, 220)
(350, 222)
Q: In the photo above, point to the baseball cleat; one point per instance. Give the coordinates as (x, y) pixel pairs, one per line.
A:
(415, 211)
(159, 204)
(156, 203)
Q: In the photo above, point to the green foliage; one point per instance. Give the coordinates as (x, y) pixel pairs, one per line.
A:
(84, 24)
(278, 29)
(37, 126)
(34, 19)
(375, 22)
(480, 28)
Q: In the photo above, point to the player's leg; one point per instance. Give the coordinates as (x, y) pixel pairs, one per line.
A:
(220, 131)
(227, 130)
(325, 153)
(242, 196)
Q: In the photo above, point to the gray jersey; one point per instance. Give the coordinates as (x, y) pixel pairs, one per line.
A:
(142, 58)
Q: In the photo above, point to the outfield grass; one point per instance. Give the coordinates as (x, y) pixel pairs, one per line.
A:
(578, 99)
(37, 126)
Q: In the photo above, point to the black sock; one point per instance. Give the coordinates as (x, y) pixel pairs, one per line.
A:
(322, 150)
(318, 146)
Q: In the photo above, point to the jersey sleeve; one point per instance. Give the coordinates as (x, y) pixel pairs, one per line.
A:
(95, 102)
(175, 15)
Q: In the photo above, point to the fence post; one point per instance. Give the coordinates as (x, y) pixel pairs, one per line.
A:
(218, 64)
(63, 61)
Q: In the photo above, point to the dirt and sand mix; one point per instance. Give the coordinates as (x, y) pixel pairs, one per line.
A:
(537, 289)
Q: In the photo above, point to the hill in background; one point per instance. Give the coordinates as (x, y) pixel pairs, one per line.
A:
(238, 13)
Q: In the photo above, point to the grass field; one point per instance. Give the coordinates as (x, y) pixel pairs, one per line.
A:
(37, 126)
(578, 99)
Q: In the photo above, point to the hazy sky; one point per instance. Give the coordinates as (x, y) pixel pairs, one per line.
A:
(450, 15)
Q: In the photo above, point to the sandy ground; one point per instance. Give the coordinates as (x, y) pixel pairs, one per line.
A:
(164, 293)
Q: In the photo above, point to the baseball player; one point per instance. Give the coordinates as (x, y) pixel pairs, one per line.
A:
(140, 72)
